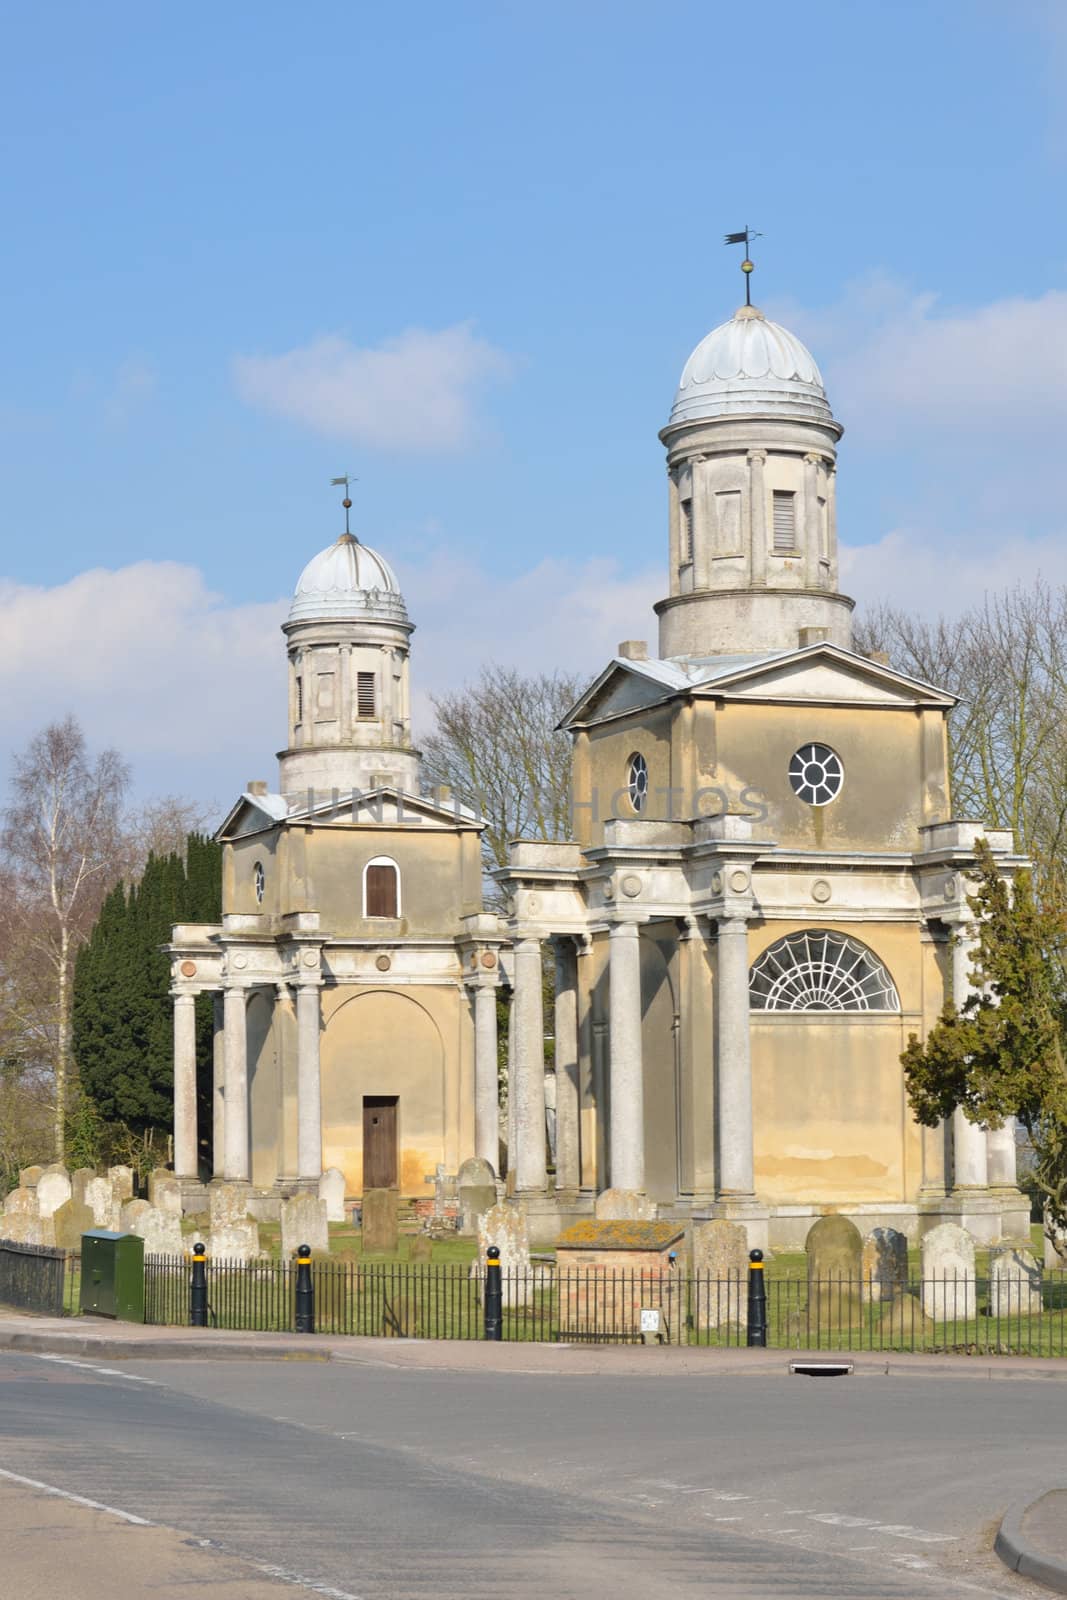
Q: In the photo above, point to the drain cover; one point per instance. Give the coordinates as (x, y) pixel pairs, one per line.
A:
(821, 1369)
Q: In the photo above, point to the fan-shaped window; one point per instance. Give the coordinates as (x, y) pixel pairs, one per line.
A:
(637, 782)
(816, 774)
(820, 971)
(381, 888)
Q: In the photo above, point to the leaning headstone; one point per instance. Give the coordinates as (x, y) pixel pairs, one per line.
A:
(381, 1234)
(53, 1191)
(21, 1203)
(332, 1190)
(70, 1221)
(948, 1274)
(165, 1191)
(477, 1192)
(28, 1177)
(23, 1229)
(79, 1182)
(121, 1179)
(1014, 1284)
(505, 1226)
(100, 1197)
(720, 1274)
(835, 1251)
(304, 1222)
(885, 1264)
(624, 1205)
(131, 1214)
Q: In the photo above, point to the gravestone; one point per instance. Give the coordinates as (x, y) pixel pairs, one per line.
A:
(884, 1264)
(477, 1192)
(28, 1177)
(505, 1226)
(720, 1274)
(21, 1203)
(304, 1222)
(234, 1235)
(70, 1221)
(24, 1229)
(100, 1198)
(1055, 1244)
(624, 1205)
(380, 1232)
(79, 1181)
(332, 1190)
(121, 1180)
(160, 1230)
(835, 1252)
(421, 1248)
(1014, 1284)
(948, 1274)
(903, 1321)
(165, 1191)
(53, 1190)
(131, 1214)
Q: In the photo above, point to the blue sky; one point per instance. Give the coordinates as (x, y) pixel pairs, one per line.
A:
(464, 253)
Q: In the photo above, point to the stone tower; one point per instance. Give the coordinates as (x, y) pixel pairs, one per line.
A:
(349, 700)
(751, 456)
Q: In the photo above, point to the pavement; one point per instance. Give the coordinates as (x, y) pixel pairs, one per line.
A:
(403, 1468)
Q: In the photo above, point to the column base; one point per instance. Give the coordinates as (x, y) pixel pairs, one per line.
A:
(194, 1196)
(977, 1210)
(548, 1214)
(752, 1214)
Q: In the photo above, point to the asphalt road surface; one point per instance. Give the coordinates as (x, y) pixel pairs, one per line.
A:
(364, 1481)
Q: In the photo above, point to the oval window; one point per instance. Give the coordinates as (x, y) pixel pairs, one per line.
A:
(637, 782)
(259, 878)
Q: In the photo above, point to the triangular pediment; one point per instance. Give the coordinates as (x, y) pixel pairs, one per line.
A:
(824, 674)
(625, 686)
(383, 806)
(253, 813)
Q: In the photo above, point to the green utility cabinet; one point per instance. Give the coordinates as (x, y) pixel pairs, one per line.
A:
(112, 1283)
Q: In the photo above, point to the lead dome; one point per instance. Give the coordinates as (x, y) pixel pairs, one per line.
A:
(348, 580)
(750, 366)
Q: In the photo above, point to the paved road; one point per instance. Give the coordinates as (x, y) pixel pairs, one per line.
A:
(384, 1484)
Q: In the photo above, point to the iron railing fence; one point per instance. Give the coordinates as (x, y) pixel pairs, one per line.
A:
(38, 1278)
(427, 1301)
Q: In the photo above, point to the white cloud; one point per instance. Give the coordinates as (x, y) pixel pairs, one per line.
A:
(416, 392)
(909, 569)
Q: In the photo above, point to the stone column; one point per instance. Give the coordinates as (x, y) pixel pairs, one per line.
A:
(531, 1174)
(1000, 1156)
(568, 1171)
(700, 524)
(831, 523)
(734, 1098)
(626, 1162)
(218, 1091)
(308, 1084)
(812, 577)
(345, 693)
(674, 527)
(969, 1163)
(757, 503)
(185, 1152)
(486, 1100)
(236, 1162)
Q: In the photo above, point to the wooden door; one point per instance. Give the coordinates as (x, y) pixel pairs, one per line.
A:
(379, 1141)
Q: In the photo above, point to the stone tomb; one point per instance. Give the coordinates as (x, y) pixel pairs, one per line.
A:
(505, 1227)
(884, 1265)
(53, 1190)
(609, 1272)
(1014, 1284)
(381, 1233)
(304, 1221)
(720, 1273)
(476, 1187)
(948, 1293)
(332, 1190)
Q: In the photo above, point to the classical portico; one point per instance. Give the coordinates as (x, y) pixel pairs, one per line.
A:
(766, 891)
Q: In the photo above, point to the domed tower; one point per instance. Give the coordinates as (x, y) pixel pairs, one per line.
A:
(751, 455)
(349, 701)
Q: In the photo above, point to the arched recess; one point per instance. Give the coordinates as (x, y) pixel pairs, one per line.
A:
(659, 1054)
(383, 1043)
(381, 888)
(264, 1089)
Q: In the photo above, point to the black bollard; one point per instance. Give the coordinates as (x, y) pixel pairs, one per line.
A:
(305, 1291)
(493, 1294)
(757, 1300)
(198, 1289)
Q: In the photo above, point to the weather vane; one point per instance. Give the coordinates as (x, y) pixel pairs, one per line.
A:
(335, 483)
(747, 267)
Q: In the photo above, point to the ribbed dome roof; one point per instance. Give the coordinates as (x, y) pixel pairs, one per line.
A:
(348, 580)
(750, 365)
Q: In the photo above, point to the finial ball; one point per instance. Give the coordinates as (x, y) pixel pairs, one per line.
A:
(748, 266)
(347, 504)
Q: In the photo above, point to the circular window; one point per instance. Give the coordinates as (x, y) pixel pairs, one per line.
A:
(637, 782)
(259, 878)
(816, 774)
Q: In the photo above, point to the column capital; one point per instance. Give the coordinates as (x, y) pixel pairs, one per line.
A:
(756, 457)
(813, 458)
(732, 925)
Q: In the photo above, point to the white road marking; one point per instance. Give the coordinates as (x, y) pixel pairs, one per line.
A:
(78, 1499)
(89, 1366)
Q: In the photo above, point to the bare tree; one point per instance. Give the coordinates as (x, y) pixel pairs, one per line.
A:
(497, 745)
(159, 827)
(62, 847)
